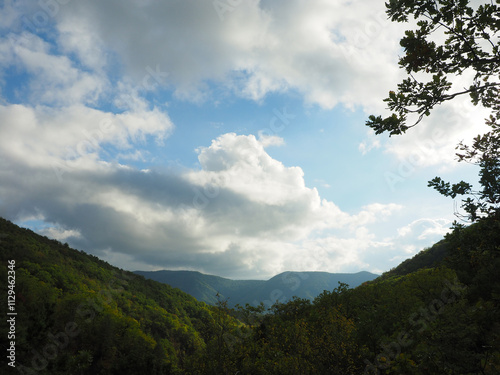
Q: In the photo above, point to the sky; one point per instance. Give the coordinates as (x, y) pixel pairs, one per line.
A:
(226, 137)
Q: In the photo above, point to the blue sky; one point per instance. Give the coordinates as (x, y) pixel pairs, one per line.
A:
(226, 137)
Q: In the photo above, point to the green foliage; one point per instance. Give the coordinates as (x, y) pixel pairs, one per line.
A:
(470, 43)
(77, 314)
(457, 332)
(428, 258)
(436, 313)
(484, 152)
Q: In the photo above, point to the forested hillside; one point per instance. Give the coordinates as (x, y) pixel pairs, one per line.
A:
(204, 287)
(68, 312)
(431, 257)
(79, 315)
(434, 320)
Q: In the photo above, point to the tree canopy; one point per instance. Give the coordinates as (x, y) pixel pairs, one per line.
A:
(469, 44)
(483, 152)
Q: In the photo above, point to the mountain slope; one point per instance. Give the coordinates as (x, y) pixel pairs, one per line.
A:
(427, 258)
(281, 287)
(78, 314)
(201, 286)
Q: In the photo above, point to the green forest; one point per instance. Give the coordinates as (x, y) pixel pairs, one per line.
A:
(68, 312)
(437, 313)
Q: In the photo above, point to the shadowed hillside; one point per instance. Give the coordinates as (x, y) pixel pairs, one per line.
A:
(76, 314)
(280, 288)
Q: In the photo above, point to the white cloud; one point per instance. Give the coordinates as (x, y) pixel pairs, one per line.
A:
(425, 228)
(70, 137)
(53, 78)
(76, 36)
(60, 234)
(9, 14)
(375, 212)
(270, 140)
(322, 183)
(85, 88)
(372, 142)
(407, 241)
(331, 52)
(433, 141)
(246, 168)
(242, 213)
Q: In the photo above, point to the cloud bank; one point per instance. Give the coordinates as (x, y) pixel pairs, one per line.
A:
(242, 213)
(83, 105)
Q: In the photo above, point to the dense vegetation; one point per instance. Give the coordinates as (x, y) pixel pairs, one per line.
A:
(78, 315)
(438, 313)
(443, 318)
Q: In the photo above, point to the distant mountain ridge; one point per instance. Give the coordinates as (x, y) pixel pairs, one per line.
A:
(281, 287)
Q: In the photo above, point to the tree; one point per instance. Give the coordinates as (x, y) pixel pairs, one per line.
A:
(470, 45)
(453, 38)
(485, 202)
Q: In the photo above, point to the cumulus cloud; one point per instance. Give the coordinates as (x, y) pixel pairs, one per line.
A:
(81, 108)
(60, 234)
(332, 53)
(270, 140)
(409, 239)
(72, 137)
(53, 78)
(327, 51)
(425, 228)
(243, 212)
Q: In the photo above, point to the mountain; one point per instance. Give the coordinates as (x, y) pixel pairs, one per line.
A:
(280, 288)
(431, 257)
(69, 312)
